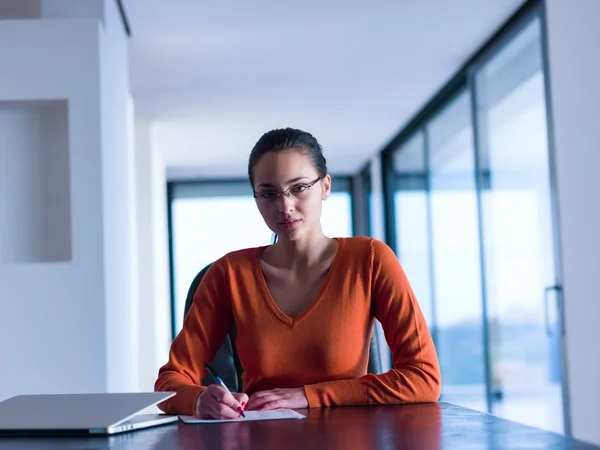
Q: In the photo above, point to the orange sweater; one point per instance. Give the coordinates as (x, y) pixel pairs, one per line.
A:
(325, 349)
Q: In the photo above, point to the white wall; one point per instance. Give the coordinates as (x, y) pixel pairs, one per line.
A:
(74, 9)
(23, 9)
(53, 173)
(574, 58)
(161, 280)
(52, 328)
(70, 326)
(154, 316)
(34, 182)
(52, 9)
(145, 312)
(118, 205)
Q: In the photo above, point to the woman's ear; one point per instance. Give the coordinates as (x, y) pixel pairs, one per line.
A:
(326, 187)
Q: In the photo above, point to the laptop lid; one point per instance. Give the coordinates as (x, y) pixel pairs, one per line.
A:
(73, 412)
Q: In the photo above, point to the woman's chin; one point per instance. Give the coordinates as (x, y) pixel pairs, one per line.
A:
(289, 234)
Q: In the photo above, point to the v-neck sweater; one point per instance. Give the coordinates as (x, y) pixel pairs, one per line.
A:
(325, 349)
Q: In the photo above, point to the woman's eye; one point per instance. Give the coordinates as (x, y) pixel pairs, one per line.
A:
(268, 195)
(299, 188)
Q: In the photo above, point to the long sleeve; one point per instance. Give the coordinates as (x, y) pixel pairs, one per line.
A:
(204, 329)
(416, 374)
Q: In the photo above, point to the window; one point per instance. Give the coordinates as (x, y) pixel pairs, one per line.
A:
(412, 221)
(336, 218)
(456, 270)
(204, 229)
(473, 226)
(211, 219)
(518, 233)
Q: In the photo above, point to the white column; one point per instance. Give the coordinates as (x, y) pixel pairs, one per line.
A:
(66, 192)
(160, 254)
(154, 315)
(574, 59)
(118, 204)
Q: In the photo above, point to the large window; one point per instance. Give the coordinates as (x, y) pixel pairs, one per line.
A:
(412, 221)
(472, 223)
(210, 219)
(456, 266)
(203, 230)
(336, 218)
(518, 233)
(362, 202)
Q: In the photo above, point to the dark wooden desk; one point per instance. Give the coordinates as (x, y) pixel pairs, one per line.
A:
(422, 427)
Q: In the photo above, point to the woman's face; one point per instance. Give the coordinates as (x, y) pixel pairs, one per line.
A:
(295, 214)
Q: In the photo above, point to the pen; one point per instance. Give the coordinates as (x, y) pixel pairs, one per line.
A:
(216, 376)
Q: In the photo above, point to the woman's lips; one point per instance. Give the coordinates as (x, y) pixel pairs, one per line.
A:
(288, 224)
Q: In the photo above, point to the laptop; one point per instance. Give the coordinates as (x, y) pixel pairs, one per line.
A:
(80, 414)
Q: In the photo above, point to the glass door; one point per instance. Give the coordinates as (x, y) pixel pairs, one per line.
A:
(522, 289)
(456, 261)
(412, 223)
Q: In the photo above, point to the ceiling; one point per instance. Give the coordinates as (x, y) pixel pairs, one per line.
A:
(212, 77)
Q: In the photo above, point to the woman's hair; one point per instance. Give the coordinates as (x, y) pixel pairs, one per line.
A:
(286, 139)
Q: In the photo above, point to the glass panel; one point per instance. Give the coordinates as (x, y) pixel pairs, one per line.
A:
(336, 218)
(203, 232)
(456, 255)
(367, 198)
(412, 235)
(517, 231)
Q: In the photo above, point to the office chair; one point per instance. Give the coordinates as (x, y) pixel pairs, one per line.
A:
(227, 362)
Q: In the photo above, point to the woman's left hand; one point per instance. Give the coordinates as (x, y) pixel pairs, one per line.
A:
(278, 398)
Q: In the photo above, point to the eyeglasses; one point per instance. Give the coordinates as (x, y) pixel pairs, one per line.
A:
(298, 191)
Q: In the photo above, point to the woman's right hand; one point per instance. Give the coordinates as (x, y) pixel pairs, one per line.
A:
(216, 403)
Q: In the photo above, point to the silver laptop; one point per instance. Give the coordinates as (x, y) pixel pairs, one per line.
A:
(80, 414)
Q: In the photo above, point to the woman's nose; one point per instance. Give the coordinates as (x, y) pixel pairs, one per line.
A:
(286, 203)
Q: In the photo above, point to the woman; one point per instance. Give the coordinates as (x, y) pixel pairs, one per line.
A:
(304, 307)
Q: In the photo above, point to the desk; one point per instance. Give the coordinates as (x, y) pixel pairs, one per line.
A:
(422, 427)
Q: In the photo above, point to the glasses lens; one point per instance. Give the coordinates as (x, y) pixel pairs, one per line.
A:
(300, 191)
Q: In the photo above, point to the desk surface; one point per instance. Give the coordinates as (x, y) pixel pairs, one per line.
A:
(423, 427)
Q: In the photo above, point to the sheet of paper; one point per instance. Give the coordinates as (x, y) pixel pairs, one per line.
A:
(276, 414)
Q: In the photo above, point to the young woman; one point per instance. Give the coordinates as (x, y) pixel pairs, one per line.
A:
(304, 307)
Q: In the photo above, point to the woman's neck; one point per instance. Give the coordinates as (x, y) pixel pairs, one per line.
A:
(303, 253)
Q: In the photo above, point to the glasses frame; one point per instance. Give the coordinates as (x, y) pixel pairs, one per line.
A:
(287, 192)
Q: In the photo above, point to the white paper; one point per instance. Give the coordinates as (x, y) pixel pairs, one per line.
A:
(276, 414)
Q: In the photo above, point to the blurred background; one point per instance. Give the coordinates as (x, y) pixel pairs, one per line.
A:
(464, 134)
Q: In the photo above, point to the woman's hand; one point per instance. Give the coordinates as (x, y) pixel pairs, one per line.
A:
(278, 398)
(216, 403)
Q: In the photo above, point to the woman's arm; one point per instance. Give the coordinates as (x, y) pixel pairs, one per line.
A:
(204, 329)
(416, 375)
